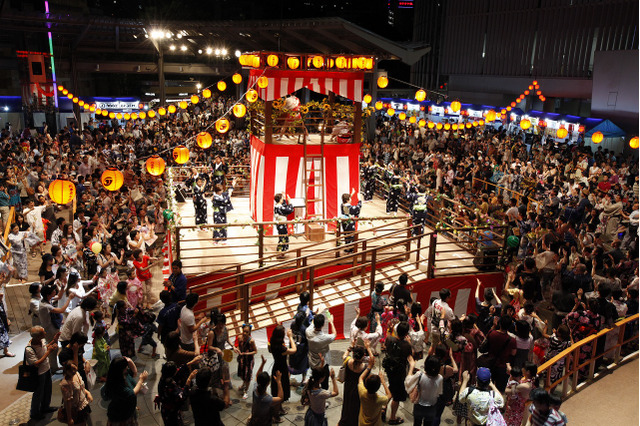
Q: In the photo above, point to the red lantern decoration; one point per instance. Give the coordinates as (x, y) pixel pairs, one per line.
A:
(155, 165)
(62, 191)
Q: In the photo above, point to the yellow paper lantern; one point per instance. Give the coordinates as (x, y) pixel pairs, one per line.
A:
(183, 104)
(431, 125)
(80, 102)
(474, 124)
(481, 122)
(194, 99)
(412, 119)
(379, 105)
(421, 95)
(391, 112)
(293, 62)
(634, 143)
(206, 93)
(402, 116)
(85, 106)
(369, 64)
(62, 191)
(341, 62)
(255, 61)
(61, 88)
(367, 99)
(119, 116)
(181, 154)
(318, 61)
(252, 95)
(126, 116)
(171, 109)
(151, 113)
(70, 96)
(491, 116)
(455, 106)
(204, 140)
(162, 111)
(272, 60)
(597, 137)
(243, 60)
(134, 116)
(439, 126)
(562, 133)
(239, 110)
(422, 123)
(263, 82)
(112, 179)
(236, 78)
(222, 86)
(65, 92)
(112, 115)
(155, 165)
(447, 126)
(142, 115)
(525, 123)
(105, 113)
(468, 125)
(383, 82)
(92, 108)
(222, 125)
(454, 127)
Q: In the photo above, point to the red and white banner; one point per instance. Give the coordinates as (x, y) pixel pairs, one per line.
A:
(284, 82)
(167, 256)
(279, 168)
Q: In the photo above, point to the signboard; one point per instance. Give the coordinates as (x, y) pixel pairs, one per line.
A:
(117, 105)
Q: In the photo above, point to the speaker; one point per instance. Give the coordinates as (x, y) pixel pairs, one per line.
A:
(181, 197)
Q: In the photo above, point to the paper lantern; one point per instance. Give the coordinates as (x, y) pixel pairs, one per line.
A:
(252, 95)
(391, 112)
(634, 143)
(181, 154)
(542, 123)
(525, 123)
(474, 124)
(431, 125)
(255, 61)
(204, 140)
(151, 113)
(367, 99)
(581, 129)
(62, 191)
(236, 78)
(468, 125)
(341, 62)
(481, 122)
(162, 111)
(119, 116)
(526, 92)
(454, 127)
(402, 116)
(539, 93)
(508, 108)
(318, 61)
(222, 125)
(65, 92)
(243, 60)
(171, 109)
(96, 247)
(447, 126)
(126, 116)
(439, 126)
(75, 100)
(412, 119)
(206, 93)
(597, 137)
(80, 103)
(491, 116)
(112, 179)
(383, 82)
(155, 165)
(183, 104)
(239, 110)
(455, 106)
(92, 108)
(422, 123)
(562, 133)
(293, 62)
(534, 82)
(85, 106)
(142, 115)
(421, 95)
(61, 88)
(513, 104)
(263, 82)
(222, 86)
(195, 99)
(272, 60)
(379, 105)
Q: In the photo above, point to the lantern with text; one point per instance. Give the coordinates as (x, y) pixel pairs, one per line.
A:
(525, 123)
(272, 60)
(252, 95)
(412, 119)
(562, 133)
(181, 154)
(204, 140)
(455, 106)
(421, 95)
(119, 116)
(383, 82)
(155, 165)
(341, 62)
(126, 116)
(263, 82)
(634, 143)
(134, 115)
(222, 125)
(222, 86)
(239, 110)
(318, 61)
(62, 191)
(293, 62)
(112, 179)
(454, 127)
(236, 78)
(597, 137)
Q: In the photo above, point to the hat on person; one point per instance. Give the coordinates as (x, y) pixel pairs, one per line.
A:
(484, 374)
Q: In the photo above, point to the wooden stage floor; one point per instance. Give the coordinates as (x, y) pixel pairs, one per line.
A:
(200, 255)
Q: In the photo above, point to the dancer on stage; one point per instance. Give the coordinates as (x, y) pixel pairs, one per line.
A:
(199, 183)
(282, 209)
(348, 212)
(220, 170)
(418, 200)
(395, 188)
(221, 205)
(369, 176)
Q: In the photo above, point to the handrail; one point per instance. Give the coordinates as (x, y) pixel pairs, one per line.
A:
(7, 230)
(289, 222)
(571, 356)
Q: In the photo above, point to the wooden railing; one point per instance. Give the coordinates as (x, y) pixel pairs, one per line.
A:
(240, 172)
(571, 356)
(306, 272)
(500, 190)
(7, 229)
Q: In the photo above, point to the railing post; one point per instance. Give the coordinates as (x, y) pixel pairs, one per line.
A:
(338, 234)
(298, 264)
(177, 228)
(576, 370)
(243, 305)
(305, 272)
(431, 260)
(372, 277)
(616, 353)
(364, 252)
(409, 231)
(565, 382)
(418, 243)
(261, 244)
(311, 292)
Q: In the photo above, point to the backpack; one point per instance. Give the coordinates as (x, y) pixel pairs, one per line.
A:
(494, 416)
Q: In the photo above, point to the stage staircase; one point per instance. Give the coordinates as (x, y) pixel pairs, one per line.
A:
(314, 182)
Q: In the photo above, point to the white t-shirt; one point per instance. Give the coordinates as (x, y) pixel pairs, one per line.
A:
(187, 320)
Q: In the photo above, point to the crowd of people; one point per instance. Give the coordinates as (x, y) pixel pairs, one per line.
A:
(573, 273)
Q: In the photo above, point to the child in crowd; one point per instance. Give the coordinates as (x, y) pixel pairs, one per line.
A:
(263, 403)
(101, 352)
(514, 400)
(134, 288)
(542, 413)
(378, 303)
(247, 347)
(98, 318)
(147, 319)
(120, 294)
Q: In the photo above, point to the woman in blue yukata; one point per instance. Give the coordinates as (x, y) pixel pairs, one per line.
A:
(282, 209)
(221, 205)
